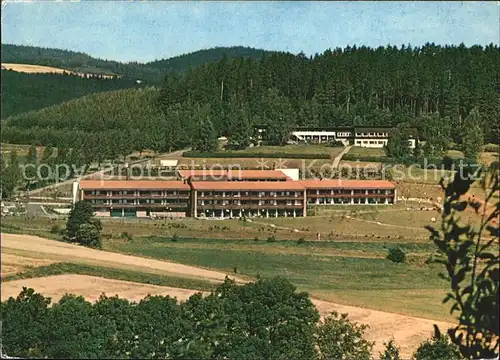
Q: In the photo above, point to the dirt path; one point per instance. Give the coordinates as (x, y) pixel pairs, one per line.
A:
(12, 264)
(337, 159)
(59, 251)
(407, 331)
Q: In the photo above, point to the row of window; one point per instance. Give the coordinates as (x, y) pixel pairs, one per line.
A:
(373, 134)
(371, 142)
(250, 202)
(130, 192)
(250, 193)
(326, 201)
(135, 202)
(349, 192)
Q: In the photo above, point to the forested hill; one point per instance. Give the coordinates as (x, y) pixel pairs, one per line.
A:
(25, 92)
(192, 60)
(151, 72)
(96, 126)
(352, 86)
(451, 94)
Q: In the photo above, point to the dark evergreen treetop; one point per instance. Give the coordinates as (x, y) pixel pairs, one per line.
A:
(432, 88)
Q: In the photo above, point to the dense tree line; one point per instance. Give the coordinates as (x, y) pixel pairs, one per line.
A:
(352, 86)
(267, 319)
(23, 92)
(150, 72)
(451, 94)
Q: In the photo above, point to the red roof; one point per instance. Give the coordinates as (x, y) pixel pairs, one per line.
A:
(132, 185)
(347, 184)
(247, 185)
(233, 174)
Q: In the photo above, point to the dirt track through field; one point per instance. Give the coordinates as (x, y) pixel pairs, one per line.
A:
(60, 251)
(12, 264)
(407, 331)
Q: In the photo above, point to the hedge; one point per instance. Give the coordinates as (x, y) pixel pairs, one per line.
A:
(381, 159)
(233, 154)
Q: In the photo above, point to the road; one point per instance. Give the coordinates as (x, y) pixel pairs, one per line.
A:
(337, 159)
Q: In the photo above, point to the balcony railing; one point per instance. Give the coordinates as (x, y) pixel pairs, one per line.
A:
(314, 196)
(248, 206)
(253, 197)
(134, 196)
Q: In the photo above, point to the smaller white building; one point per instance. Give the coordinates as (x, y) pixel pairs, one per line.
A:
(372, 137)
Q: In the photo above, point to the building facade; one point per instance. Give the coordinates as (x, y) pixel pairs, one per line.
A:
(372, 137)
(247, 198)
(227, 198)
(349, 192)
(136, 198)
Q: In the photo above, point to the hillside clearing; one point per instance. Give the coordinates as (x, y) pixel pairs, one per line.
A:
(39, 69)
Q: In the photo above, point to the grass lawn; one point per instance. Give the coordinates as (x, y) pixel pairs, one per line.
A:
(353, 280)
(364, 151)
(295, 149)
(250, 163)
(332, 227)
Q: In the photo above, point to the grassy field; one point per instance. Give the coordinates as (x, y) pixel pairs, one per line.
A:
(322, 269)
(118, 274)
(296, 149)
(332, 224)
(363, 151)
(39, 69)
(249, 163)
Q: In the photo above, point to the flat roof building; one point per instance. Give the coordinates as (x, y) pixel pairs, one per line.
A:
(233, 195)
(372, 136)
(136, 198)
(247, 198)
(339, 191)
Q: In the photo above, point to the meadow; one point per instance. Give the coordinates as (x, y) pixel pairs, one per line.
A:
(351, 273)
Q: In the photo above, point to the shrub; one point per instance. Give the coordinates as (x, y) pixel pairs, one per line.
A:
(380, 159)
(340, 338)
(271, 238)
(301, 241)
(126, 236)
(256, 239)
(391, 351)
(438, 347)
(174, 238)
(396, 255)
(56, 229)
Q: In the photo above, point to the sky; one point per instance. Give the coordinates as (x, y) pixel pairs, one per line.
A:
(148, 30)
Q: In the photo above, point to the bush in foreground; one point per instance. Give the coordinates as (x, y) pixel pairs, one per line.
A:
(396, 255)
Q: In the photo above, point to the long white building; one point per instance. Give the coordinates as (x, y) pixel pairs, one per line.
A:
(372, 137)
